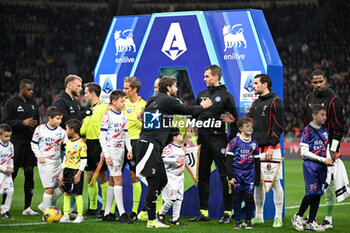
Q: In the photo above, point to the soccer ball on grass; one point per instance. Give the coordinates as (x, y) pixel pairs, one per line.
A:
(52, 214)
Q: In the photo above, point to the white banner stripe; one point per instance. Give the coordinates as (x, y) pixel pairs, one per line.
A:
(322, 205)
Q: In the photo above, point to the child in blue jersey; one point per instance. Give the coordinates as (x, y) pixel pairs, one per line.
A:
(315, 152)
(241, 170)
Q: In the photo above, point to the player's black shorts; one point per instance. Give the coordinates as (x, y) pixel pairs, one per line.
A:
(132, 163)
(68, 186)
(24, 156)
(93, 155)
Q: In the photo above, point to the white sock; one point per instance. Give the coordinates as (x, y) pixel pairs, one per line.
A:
(278, 198)
(166, 206)
(109, 199)
(118, 194)
(329, 219)
(6, 206)
(259, 199)
(47, 200)
(56, 194)
(177, 209)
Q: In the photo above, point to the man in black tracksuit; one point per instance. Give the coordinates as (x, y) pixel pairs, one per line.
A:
(21, 113)
(267, 112)
(66, 100)
(335, 124)
(67, 103)
(149, 162)
(214, 140)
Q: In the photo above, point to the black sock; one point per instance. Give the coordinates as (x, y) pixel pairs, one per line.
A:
(237, 200)
(3, 198)
(151, 197)
(28, 187)
(249, 205)
(305, 204)
(314, 207)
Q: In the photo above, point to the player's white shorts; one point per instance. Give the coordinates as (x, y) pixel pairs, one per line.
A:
(174, 190)
(6, 183)
(117, 156)
(49, 172)
(277, 154)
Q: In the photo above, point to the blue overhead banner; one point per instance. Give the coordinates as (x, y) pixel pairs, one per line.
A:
(239, 41)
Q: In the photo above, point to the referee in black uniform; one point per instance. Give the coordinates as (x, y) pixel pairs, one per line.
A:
(213, 141)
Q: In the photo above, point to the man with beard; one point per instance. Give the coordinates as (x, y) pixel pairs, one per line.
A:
(67, 103)
(213, 142)
(149, 162)
(335, 124)
(21, 113)
(267, 112)
(66, 100)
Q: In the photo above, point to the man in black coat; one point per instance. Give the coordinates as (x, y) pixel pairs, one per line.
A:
(22, 114)
(67, 103)
(213, 141)
(153, 136)
(267, 112)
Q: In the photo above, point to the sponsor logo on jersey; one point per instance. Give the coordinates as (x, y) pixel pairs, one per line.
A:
(253, 146)
(222, 150)
(263, 111)
(325, 135)
(20, 109)
(71, 109)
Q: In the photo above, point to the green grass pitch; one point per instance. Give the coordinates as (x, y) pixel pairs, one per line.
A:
(294, 192)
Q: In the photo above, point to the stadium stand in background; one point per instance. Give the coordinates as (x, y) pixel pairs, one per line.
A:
(46, 40)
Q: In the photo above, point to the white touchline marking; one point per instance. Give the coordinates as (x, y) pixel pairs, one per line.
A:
(297, 206)
(41, 223)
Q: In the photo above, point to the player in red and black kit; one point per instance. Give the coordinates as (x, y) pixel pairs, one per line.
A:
(21, 113)
(213, 141)
(324, 96)
(267, 112)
